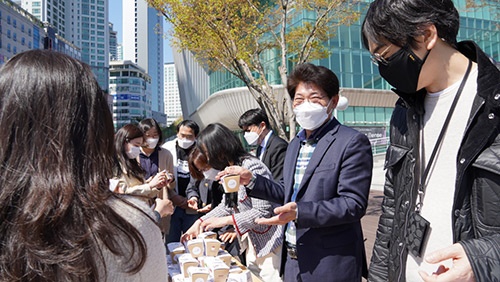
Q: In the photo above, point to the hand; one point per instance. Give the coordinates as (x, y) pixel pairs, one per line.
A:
(193, 203)
(285, 214)
(169, 177)
(214, 222)
(192, 232)
(164, 207)
(205, 209)
(461, 269)
(245, 174)
(158, 181)
(228, 236)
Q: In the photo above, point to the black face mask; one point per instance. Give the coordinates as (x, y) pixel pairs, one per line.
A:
(403, 69)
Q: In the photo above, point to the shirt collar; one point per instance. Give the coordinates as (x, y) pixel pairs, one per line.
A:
(263, 144)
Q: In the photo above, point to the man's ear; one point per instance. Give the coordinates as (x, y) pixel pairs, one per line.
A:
(262, 124)
(334, 102)
(430, 36)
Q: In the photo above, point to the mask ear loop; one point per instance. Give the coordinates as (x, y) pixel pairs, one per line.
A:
(327, 105)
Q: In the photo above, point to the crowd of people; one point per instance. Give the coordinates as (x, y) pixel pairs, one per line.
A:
(80, 202)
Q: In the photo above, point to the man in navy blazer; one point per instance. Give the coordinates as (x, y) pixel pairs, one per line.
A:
(326, 181)
(271, 150)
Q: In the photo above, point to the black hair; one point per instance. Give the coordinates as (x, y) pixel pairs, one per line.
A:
(220, 146)
(56, 159)
(191, 124)
(400, 21)
(253, 117)
(147, 124)
(124, 135)
(320, 76)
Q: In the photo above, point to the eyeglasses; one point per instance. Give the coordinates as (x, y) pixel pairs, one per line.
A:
(203, 169)
(378, 58)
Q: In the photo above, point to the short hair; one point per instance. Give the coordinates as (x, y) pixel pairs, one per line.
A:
(220, 146)
(253, 117)
(191, 124)
(124, 135)
(147, 124)
(400, 21)
(320, 76)
(56, 159)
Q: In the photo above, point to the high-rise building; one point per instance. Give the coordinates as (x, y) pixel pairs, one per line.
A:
(130, 87)
(119, 52)
(81, 22)
(21, 31)
(143, 44)
(113, 43)
(173, 108)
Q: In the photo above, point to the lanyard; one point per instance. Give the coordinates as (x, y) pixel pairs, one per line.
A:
(423, 178)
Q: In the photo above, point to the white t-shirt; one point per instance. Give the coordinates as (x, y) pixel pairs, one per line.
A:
(439, 193)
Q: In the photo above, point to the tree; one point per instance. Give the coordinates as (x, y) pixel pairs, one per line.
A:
(234, 35)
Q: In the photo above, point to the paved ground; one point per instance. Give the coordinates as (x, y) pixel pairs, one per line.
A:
(370, 220)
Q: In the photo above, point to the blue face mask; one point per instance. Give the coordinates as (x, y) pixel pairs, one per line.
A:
(402, 70)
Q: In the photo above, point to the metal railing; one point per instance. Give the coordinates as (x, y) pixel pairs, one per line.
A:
(379, 145)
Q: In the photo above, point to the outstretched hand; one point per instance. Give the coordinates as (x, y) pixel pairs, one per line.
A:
(193, 203)
(192, 232)
(216, 222)
(284, 214)
(461, 269)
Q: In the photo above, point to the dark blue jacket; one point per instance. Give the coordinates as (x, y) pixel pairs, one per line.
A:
(331, 200)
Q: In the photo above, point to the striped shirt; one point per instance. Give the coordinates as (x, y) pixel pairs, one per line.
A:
(305, 153)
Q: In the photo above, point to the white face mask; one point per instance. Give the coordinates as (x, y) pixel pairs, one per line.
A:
(133, 152)
(310, 115)
(185, 143)
(251, 137)
(152, 142)
(211, 173)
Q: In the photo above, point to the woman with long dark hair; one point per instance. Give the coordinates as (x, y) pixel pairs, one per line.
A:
(131, 176)
(263, 243)
(58, 219)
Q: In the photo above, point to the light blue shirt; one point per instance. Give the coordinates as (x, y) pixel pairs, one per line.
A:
(263, 144)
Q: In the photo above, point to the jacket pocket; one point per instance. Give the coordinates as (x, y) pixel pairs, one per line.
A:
(394, 155)
(486, 189)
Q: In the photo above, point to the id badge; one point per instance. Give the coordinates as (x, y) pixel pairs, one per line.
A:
(418, 228)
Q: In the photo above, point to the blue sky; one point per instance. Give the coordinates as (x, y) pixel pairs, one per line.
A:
(115, 16)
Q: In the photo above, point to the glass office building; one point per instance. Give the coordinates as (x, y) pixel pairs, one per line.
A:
(130, 87)
(351, 62)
